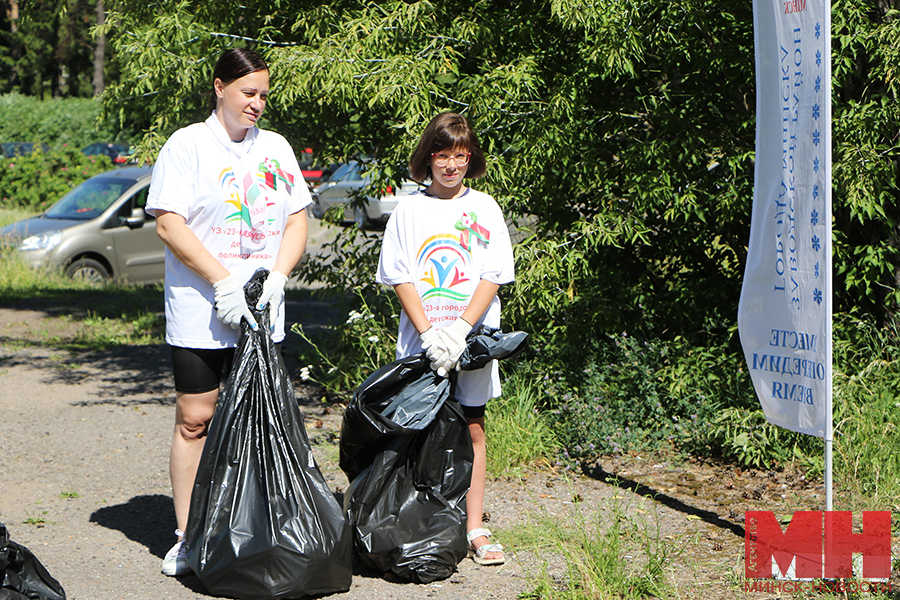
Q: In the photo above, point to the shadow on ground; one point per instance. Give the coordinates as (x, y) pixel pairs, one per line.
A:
(146, 520)
(143, 519)
(598, 472)
(126, 375)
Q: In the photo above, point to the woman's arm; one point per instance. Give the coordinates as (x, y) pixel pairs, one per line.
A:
(293, 243)
(186, 246)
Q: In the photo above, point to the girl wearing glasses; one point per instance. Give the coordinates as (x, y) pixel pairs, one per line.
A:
(446, 252)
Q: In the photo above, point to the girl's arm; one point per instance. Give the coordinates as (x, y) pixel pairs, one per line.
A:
(186, 246)
(412, 305)
(481, 300)
(454, 335)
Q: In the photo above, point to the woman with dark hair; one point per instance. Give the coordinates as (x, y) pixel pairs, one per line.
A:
(446, 252)
(228, 199)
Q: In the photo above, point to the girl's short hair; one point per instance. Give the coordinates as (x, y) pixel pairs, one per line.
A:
(235, 63)
(447, 131)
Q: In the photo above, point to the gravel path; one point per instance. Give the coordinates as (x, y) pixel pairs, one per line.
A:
(84, 440)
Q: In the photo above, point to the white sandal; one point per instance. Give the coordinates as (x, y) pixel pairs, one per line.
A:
(477, 554)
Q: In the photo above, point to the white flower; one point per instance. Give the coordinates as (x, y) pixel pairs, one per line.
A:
(304, 373)
(372, 338)
(354, 316)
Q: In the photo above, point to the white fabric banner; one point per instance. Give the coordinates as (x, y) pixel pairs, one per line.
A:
(784, 318)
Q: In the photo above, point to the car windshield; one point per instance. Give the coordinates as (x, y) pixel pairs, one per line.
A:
(346, 172)
(89, 199)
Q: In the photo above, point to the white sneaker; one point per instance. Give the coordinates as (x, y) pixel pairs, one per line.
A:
(175, 562)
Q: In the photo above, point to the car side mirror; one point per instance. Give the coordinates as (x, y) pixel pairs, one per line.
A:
(136, 220)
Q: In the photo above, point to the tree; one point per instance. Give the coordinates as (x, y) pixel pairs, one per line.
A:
(47, 48)
(626, 127)
(99, 49)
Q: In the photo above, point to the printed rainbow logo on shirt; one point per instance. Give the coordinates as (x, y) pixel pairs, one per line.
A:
(445, 264)
(244, 195)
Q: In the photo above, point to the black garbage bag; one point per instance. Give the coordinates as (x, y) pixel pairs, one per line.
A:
(263, 522)
(406, 449)
(22, 576)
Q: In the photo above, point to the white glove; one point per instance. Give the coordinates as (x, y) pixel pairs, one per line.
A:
(435, 349)
(231, 304)
(272, 294)
(454, 336)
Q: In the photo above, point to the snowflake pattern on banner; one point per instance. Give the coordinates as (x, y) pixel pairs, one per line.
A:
(820, 145)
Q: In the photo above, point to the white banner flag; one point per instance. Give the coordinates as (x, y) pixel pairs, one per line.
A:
(784, 317)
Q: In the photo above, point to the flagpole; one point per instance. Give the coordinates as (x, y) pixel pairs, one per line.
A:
(829, 292)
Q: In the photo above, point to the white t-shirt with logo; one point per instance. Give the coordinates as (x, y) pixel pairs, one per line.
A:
(445, 248)
(236, 197)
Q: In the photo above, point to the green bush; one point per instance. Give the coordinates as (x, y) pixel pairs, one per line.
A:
(628, 396)
(634, 395)
(746, 437)
(342, 357)
(715, 379)
(59, 122)
(616, 406)
(37, 180)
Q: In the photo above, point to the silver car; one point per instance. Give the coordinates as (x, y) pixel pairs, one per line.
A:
(96, 232)
(340, 188)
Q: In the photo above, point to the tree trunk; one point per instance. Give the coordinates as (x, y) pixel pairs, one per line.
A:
(99, 51)
(12, 13)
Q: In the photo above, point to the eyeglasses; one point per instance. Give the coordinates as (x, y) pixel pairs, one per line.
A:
(441, 159)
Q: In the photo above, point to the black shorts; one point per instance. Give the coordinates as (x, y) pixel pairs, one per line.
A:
(472, 412)
(200, 370)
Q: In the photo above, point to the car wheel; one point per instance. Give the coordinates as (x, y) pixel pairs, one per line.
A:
(360, 218)
(88, 269)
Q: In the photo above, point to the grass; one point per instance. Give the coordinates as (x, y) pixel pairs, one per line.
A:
(518, 434)
(85, 317)
(618, 552)
(39, 520)
(867, 416)
(9, 216)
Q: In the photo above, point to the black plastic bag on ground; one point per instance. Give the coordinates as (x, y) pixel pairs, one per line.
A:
(263, 522)
(406, 449)
(22, 576)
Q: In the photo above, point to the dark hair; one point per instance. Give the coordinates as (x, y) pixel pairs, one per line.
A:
(233, 64)
(447, 131)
